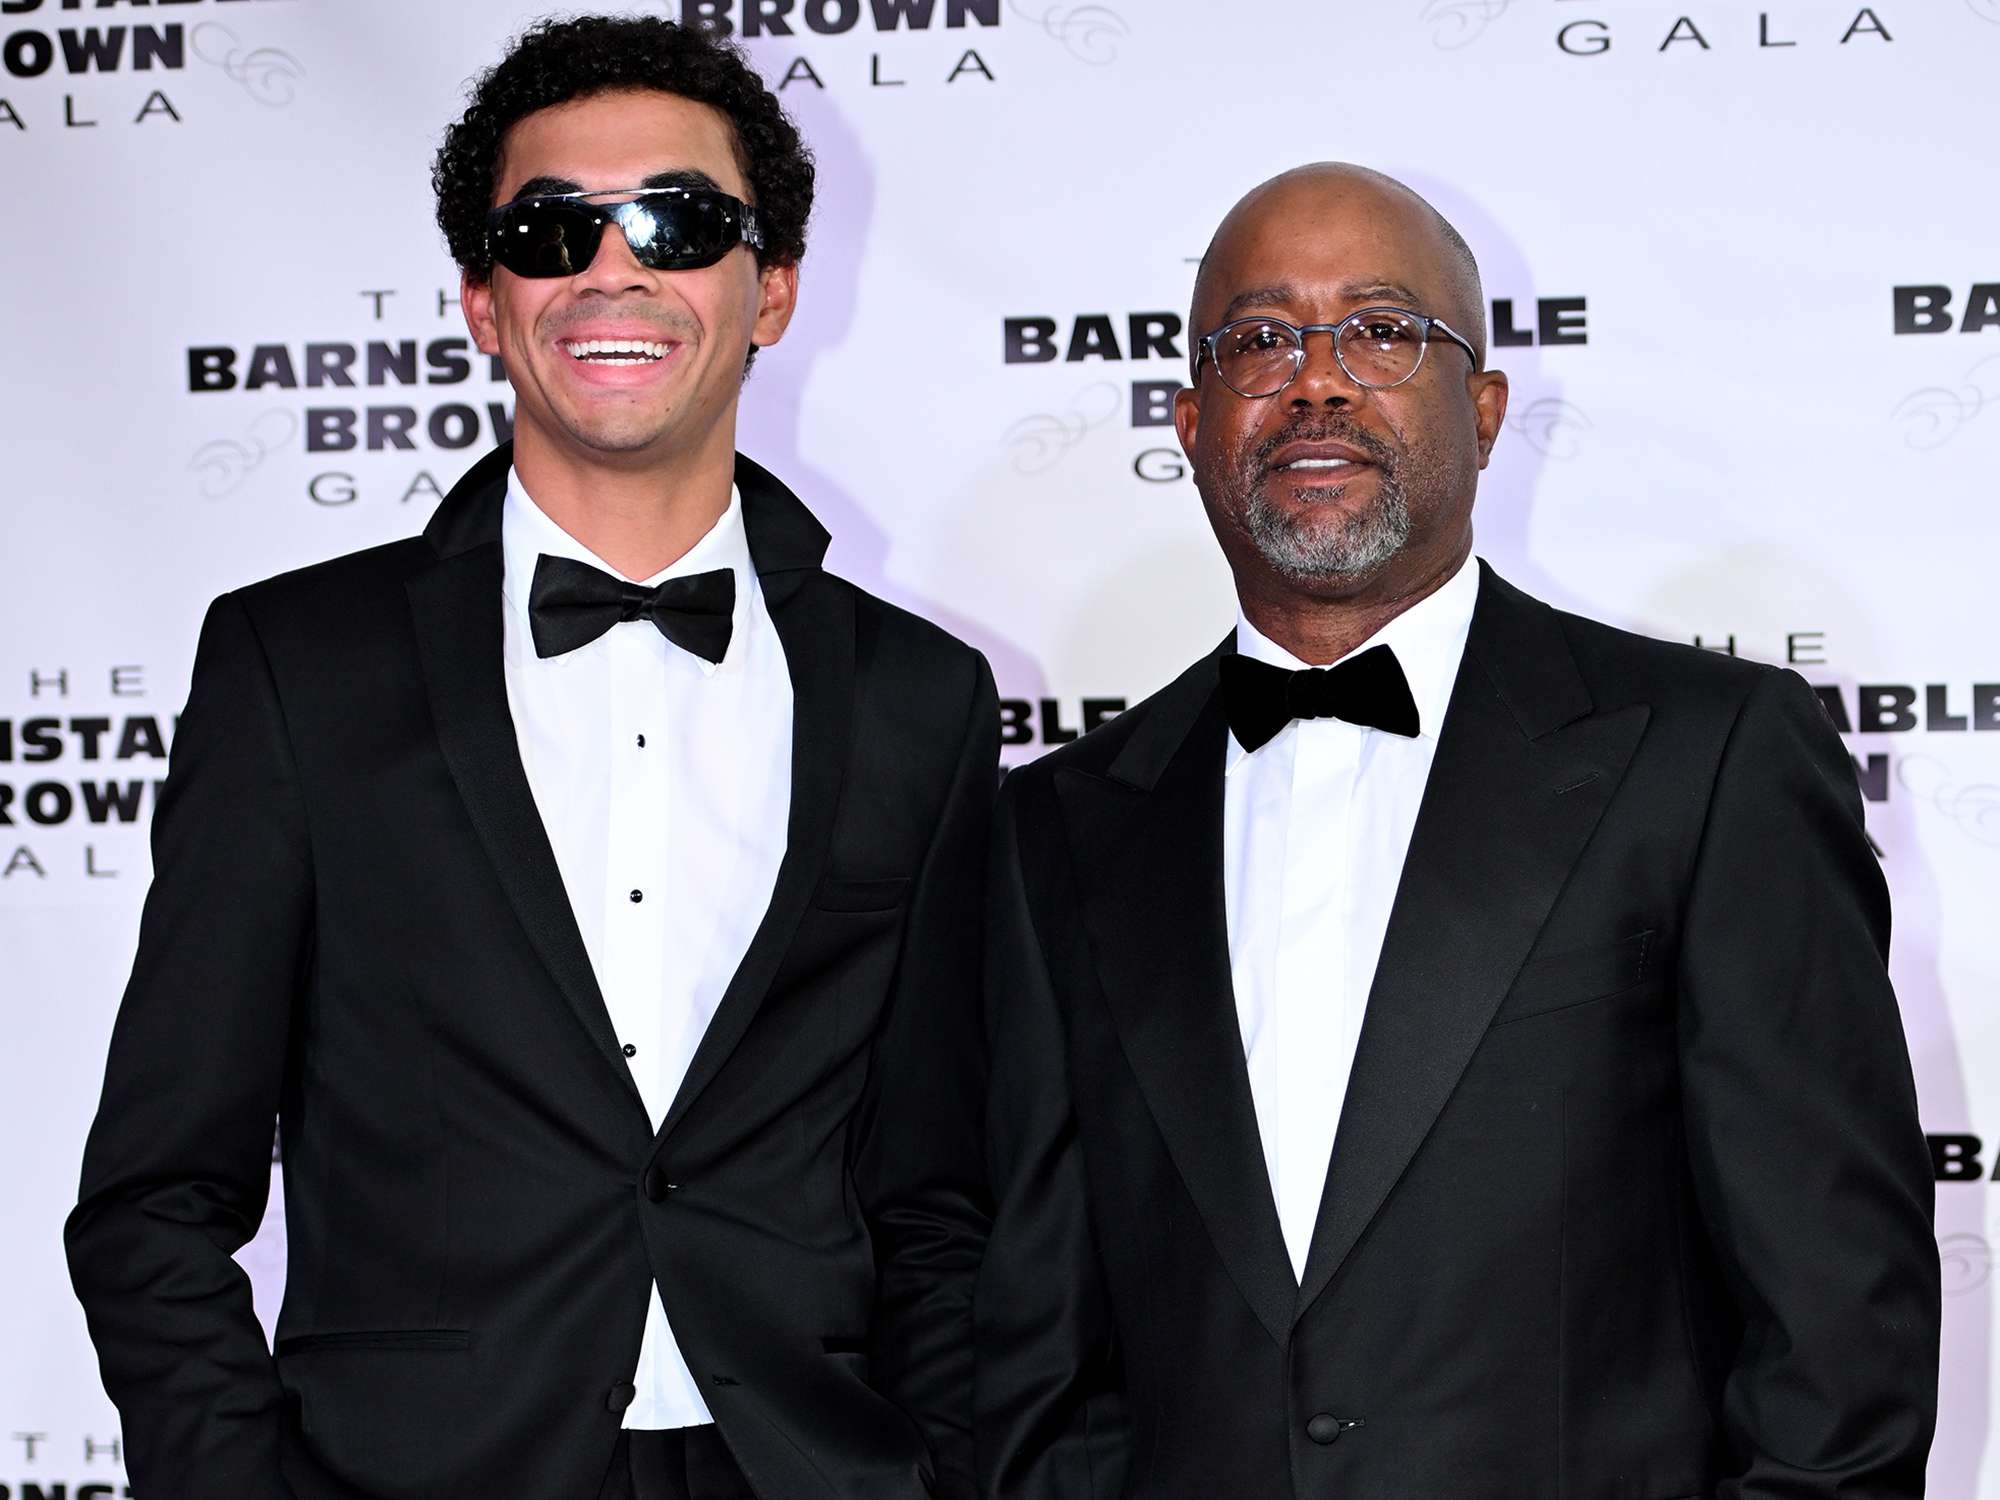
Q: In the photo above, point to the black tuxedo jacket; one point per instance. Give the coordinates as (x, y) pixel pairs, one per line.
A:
(357, 928)
(1629, 1199)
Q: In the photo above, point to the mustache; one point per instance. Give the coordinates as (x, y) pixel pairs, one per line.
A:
(669, 323)
(1320, 430)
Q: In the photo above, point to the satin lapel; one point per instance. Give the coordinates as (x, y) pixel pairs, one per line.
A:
(1523, 772)
(1148, 849)
(456, 606)
(814, 616)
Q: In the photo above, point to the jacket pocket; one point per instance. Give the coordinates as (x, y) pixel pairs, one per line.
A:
(861, 895)
(849, 1354)
(383, 1338)
(1562, 980)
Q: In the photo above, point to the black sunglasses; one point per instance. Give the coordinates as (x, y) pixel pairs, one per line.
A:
(668, 229)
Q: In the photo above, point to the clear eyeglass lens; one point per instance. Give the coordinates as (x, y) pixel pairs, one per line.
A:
(1380, 347)
(1257, 358)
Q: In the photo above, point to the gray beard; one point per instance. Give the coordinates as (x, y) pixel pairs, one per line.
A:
(1305, 552)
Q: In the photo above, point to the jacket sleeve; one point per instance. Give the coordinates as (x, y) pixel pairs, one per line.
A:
(1809, 1164)
(178, 1163)
(917, 1165)
(1050, 1412)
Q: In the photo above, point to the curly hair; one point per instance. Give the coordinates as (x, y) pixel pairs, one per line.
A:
(556, 61)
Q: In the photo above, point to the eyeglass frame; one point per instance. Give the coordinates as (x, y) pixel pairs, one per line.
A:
(749, 232)
(1205, 349)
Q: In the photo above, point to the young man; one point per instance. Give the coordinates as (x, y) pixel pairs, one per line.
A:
(589, 889)
(1442, 1046)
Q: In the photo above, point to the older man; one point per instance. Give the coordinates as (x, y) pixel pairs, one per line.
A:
(1441, 1046)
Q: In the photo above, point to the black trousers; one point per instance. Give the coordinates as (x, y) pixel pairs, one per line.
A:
(679, 1463)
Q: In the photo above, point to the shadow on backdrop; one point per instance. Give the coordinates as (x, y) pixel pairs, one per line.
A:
(771, 424)
(1543, 426)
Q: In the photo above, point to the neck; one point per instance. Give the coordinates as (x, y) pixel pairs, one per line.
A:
(1320, 629)
(638, 512)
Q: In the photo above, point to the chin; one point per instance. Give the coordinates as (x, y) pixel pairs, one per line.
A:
(1320, 579)
(618, 436)
(1330, 558)
(624, 441)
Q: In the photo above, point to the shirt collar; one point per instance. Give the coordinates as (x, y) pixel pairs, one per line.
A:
(527, 532)
(1428, 639)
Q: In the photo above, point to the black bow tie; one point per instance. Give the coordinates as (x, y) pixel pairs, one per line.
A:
(1259, 699)
(571, 604)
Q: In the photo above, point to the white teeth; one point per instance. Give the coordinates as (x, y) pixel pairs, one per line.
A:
(606, 351)
(1319, 463)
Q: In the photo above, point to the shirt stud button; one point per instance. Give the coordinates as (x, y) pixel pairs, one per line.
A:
(642, 742)
(630, 1050)
(637, 897)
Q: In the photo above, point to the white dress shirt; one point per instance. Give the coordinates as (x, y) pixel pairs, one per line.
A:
(1316, 823)
(664, 782)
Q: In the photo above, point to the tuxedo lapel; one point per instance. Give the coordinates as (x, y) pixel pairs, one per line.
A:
(1147, 843)
(814, 618)
(1524, 770)
(456, 608)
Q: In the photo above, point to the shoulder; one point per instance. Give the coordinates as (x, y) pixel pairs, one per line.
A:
(1137, 741)
(337, 611)
(1700, 700)
(344, 592)
(1617, 667)
(921, 695)
(1623, 664)
(903, 646)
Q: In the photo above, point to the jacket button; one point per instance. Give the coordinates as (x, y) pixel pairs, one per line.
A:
(655, 1185)
(1323, 1428)
(620, 1396)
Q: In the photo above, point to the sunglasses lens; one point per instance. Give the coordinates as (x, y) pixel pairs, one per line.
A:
(668, 231)
(539, 238)
(680, 231)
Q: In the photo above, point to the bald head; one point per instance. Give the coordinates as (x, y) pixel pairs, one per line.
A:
(1402, 249)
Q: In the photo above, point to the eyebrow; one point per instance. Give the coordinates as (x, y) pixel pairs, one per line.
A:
(1379, 291)
(675, 177)
(1267, 296)
(1352, 291)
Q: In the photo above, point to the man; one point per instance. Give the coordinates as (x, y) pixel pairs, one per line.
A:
(1441, 1046)
(588, 888)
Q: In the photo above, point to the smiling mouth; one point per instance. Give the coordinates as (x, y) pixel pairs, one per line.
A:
(1321, 463)
(615, 351)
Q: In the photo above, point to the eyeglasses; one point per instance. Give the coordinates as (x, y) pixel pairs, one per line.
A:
(668, 229)
(1378, 347)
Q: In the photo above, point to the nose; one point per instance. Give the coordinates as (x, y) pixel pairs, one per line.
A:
(1321, 381)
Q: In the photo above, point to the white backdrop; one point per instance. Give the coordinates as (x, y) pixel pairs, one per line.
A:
(1728, 424)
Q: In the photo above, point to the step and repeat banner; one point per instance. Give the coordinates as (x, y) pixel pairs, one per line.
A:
(1743, 267)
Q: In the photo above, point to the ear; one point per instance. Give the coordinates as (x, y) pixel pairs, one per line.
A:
(777, 298)
(1489, 409)
(475, 300)
(1187, 417)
